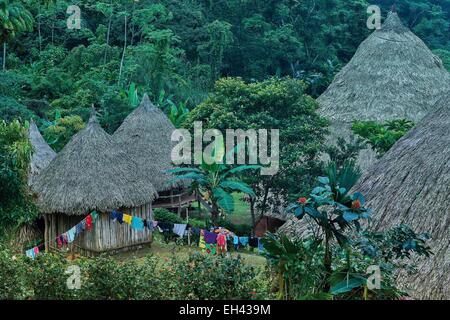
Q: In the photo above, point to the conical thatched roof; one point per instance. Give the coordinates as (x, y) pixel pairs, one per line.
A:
(411, 185)
(42, 153)
(91, 173)
(392, 75)
(145, 135)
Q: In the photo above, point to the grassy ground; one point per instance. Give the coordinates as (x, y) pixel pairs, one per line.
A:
(165, 250)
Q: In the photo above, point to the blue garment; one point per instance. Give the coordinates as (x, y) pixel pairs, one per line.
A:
(260, 246)
(235, 240)
(79, 228)
(243, 240)
(71, 234)
(210, 237)
(137, 223)
(30, 253)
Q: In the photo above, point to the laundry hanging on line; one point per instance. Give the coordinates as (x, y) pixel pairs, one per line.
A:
(66, 237)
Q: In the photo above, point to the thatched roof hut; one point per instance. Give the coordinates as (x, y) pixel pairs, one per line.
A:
(42, 153)
(392, 75)
(91, 173)
(145, 135)
(411, 185)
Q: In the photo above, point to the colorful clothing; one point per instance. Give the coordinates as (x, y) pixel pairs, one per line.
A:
(260, 245)
(221, 243)
(59, 242)
(211, 248)
(71, 234)
(221, 240)
(201, 243)
(243, 240)
(210, 237)
(127, 218)
(79, 228)
(89, 222)
(94, 216)
(30, 253)
(137, 223)
(179, 229)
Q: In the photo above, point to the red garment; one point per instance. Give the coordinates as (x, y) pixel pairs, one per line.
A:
(89, 222)
(221, 239)
(59, 242)
(221, 243)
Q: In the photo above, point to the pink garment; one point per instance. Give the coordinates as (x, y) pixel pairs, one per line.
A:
(221, 240)
(36, 250)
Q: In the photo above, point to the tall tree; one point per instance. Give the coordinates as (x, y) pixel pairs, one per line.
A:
(14, 19)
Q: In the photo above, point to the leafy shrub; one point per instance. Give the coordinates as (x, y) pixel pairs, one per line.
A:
(198, 223)
(198, 276)
(164, 215)
(203, 277)
(16, 206)
(12, 276)
(47, 279)
(238, 229)
(381, 136)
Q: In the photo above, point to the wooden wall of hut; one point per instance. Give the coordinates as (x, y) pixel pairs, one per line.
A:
(106, 234)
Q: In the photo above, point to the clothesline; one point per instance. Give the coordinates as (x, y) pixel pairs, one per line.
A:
(66, 237)
(217, 236)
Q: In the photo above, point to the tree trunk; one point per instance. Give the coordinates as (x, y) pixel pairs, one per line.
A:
(39, 27)
(108, 34)
(4, 56)
(124, 48)
(252, 212)
(214, 213)
(327, 260)
(263, 206)
(46, 232)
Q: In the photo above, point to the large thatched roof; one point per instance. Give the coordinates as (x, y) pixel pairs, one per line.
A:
(392, 75)
(411, 184)
(91, 173)
(42, 153)
(145, 135)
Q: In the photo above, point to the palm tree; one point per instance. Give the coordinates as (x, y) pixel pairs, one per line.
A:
(216, 182)
(14, 19)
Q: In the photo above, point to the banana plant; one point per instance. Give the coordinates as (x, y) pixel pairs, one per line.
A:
(132, 95)
(177, 114)
(216, 182)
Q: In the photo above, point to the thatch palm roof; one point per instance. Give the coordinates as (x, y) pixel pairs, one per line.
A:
(393, 75)
(145, 135)
(91, 173)
(42, 153)
(411, 184)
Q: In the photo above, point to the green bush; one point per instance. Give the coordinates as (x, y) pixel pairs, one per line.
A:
(211, 277)
(164, 215)
(198, 276)
(197, 223)
(239, 229)
(12, 276)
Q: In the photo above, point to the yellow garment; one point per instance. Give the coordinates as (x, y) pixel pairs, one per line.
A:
(127, 218)
(201, 243)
